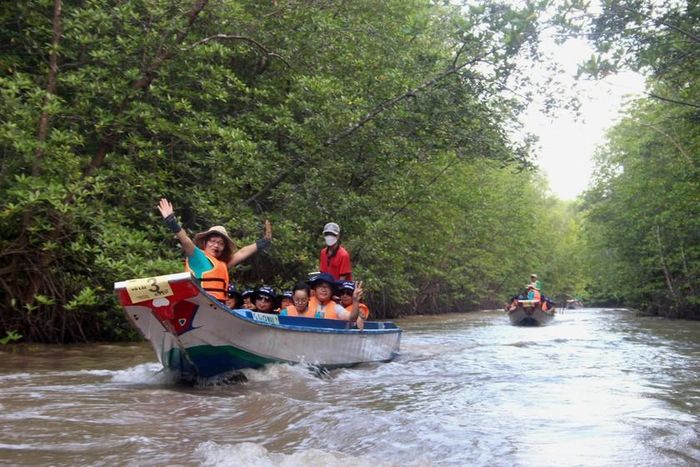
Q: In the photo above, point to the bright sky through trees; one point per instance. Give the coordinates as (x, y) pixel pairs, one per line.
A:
(567, 144)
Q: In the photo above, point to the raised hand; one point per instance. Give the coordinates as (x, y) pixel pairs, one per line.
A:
(357, 294)
(165, 207)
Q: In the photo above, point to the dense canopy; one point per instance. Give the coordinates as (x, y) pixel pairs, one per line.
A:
(393, 119)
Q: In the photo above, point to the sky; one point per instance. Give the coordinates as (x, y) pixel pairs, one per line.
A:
(567, 145)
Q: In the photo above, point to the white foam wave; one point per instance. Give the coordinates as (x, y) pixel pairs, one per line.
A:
(145, 373)
(256, 455)
(273, 372)
(12, 376)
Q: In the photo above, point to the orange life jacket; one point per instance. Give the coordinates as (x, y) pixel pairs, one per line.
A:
(315, 308)
(215, 280)
(364, 311)
(291, 310)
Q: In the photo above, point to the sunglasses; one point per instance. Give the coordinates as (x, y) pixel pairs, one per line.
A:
(264, 299)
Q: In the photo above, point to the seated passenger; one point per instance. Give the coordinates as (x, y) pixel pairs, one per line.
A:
(247, 297)
(300, 298)
(321, 303)
(235, 299)
(350, 296)
(533, 293)
(264, 300)
(286, 299)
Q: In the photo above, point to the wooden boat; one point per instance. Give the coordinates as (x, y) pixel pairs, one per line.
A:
(529, 313)
(197, 336)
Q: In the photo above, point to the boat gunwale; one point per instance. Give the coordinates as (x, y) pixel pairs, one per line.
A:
(242, 313)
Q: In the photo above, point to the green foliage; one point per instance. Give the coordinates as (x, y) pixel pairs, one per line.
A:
(387, 117)
(641, 227)
(10, 336)
(643, 212)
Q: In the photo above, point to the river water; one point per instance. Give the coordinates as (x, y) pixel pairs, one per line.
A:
(595, 388)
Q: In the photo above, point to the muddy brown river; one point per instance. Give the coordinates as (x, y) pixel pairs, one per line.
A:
(597, 387)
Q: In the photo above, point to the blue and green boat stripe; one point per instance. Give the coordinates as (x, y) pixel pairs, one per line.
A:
(212, 360)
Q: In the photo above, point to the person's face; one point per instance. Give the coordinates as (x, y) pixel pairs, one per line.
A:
(323, 292)
(263, 303)
(330, 239)
(286, 302)
(248, 303)
(346, 297)
(215, 245)
(301, 300)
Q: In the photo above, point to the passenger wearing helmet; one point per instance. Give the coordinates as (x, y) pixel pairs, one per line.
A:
(300, 298)
(235, 299)
(350, 296)
(334, 260)
(264, 299)
(286, 299)
(247, 296)
(212, 252)
(322, 304)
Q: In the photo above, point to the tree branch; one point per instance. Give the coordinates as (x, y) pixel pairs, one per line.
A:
(43, 130)
(672, 140)
(673, 101)
(349, 130)
(249, 40)
(147, 77)
(661, 22)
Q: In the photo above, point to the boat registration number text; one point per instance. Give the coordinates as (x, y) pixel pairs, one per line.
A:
(140, 290)
(270, 319)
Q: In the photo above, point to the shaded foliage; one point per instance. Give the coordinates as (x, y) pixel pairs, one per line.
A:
(386, 117)
(642, 213)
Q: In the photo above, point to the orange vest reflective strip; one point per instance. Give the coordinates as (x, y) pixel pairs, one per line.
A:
(215, 280)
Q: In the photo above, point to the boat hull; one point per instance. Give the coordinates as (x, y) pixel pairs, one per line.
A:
(197, 336)
(530, 313)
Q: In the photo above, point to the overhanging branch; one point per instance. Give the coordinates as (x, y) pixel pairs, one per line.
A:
(369, 116)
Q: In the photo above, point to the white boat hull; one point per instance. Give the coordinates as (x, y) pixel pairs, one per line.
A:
(198, 336)
(530, 313)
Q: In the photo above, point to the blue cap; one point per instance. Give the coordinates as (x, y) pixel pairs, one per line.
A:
(322, 277)
(347, 285)
(247, 293)
(266, 291)
(232, 292)
(287, 294)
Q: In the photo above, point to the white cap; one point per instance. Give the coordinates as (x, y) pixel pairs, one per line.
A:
(331, 228)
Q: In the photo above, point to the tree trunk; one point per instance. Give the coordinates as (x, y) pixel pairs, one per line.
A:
(44, 119)
(143, 83)
(662, 260)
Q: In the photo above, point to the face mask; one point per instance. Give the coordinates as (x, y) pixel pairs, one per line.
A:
(330, 240)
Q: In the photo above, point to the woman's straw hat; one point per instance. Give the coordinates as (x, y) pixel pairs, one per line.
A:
(201, 240)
